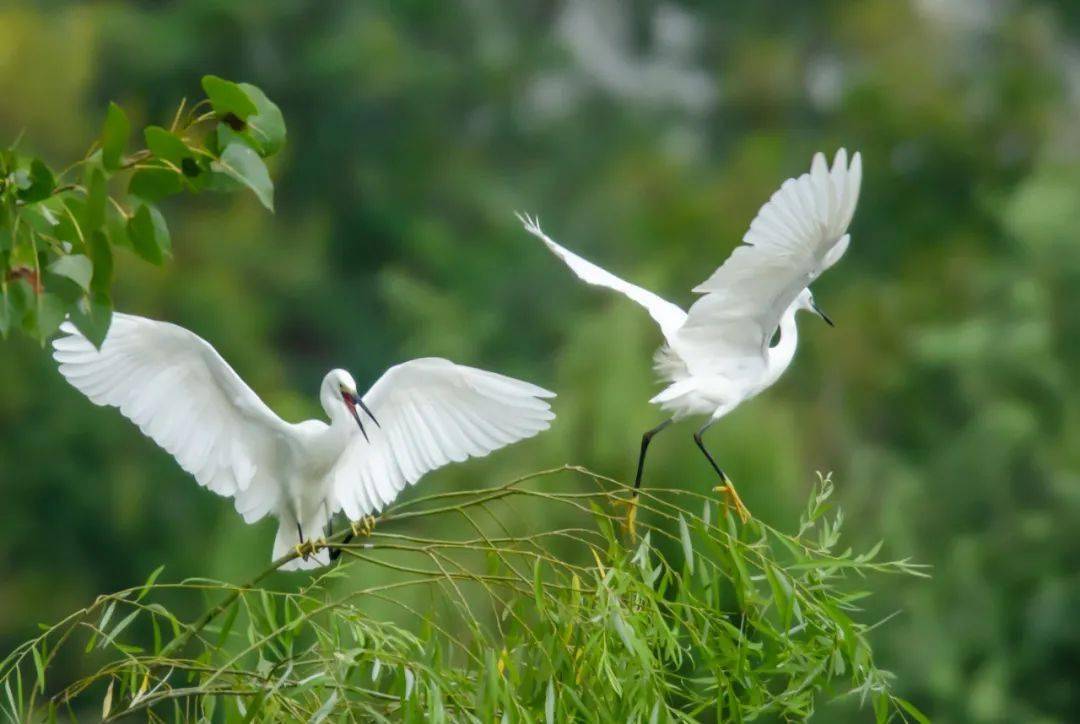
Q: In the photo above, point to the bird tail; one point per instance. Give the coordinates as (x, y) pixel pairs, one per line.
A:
(668, 365)
(288, 537)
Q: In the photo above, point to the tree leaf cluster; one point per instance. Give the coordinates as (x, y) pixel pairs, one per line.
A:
(60, 230)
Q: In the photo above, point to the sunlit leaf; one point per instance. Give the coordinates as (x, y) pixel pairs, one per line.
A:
(241, 163)
(266, 128)
(76, 267)
(228, 99)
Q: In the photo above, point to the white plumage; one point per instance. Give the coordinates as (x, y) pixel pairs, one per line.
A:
(183, 395)
(719, 353)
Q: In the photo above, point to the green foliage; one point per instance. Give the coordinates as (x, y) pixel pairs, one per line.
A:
(722, 621)
(946, 399)
(58, 230)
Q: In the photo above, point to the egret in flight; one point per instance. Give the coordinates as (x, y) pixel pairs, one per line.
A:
(417, 417)
(720, 352)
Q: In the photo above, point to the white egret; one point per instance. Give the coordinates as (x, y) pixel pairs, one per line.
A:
(720, 353)
(181, 393)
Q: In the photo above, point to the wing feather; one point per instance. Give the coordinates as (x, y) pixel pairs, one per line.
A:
(799, 233)
(179, 391)
(669, 316)
(432, 412)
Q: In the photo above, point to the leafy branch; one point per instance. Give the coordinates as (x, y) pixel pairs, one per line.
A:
(547, 616)
(59, 231)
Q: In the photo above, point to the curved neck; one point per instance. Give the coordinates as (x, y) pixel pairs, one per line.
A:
(335, 409)
(780, 356)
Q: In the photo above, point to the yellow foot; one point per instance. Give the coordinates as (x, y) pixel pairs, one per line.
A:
(304, 549)
(732, 496)
(364, 527)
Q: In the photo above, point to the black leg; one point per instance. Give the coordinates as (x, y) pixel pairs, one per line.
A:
(300, 532)
(645, 440)
(726, 487)
(631, 513)
(701, 444)
(367, 525)
(336, 553)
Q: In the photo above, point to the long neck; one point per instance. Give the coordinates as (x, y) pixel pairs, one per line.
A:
(335, 409)
(780, 356)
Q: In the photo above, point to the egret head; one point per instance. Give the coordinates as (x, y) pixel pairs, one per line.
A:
(806, 301)
(338, 387)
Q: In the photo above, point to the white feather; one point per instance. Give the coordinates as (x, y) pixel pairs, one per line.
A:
(718, 353)
(431, 412)
(184, 396)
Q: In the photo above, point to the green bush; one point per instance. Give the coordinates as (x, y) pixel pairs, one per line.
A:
(539, 608)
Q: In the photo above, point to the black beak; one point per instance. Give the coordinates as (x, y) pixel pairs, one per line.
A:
(352, 402)
(822, 314)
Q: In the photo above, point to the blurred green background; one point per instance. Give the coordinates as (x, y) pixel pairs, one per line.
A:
(645, 136)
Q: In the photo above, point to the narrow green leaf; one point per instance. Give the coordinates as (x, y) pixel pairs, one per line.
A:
(150, 582)
(105, 618)
(687, 545)
(114, 137)
(325, 710)
(538, 586)
(912, 710)
(118, 629)
(39, 666)
(782, 594)
(881, 707)
(549, 703)
(226, 627)
(240, 162)
(76, 267)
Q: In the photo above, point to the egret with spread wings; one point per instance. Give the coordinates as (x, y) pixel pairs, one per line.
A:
(419, 416)
(720, 352)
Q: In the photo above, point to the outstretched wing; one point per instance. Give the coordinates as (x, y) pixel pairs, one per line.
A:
(431, 412)
(669, 316)
(797, 234)
(183, 395)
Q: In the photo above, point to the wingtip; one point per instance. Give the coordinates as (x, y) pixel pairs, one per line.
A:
(543, 393)
(842, 158)
(531, 223)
